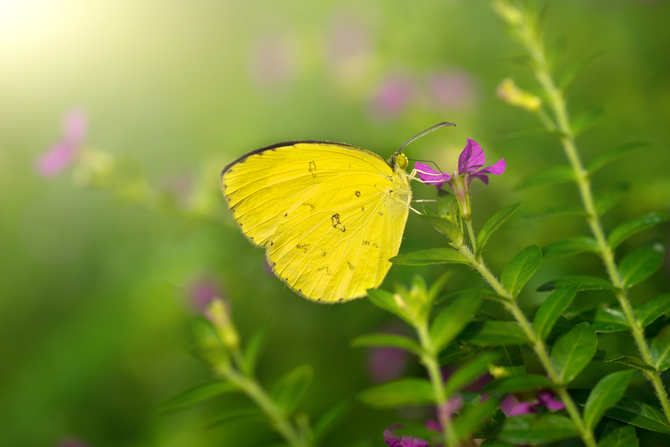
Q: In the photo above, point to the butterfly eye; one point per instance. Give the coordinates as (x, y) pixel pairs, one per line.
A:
(401, 161)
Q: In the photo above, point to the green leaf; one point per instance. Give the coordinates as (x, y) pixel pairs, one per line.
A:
(640, 264)
(518, 384)
(585, 121)
(571, 246)
(618, 435)
(458, 352)
(452, 319)
(631, 412)
(469, 372)
(475, 292)
(510, 359)
(398, 393)
(254, 348)
(451, 230)
(521, 268)
(561, 327)
(603, 320)
(631, 362)
(493, 224)
(245, 415)
(627, 229)
(571, 74)
(605, 395)
(330, 419)
(494, 333)
(650, 311)
(660, 349)
(552, 308)
(551, 176)
(607, 197)
(585, 283)
(198, 394)
(573, 351)
(473, 415)
(534, 429)
(430, 256)
(437, 286)
(555, 211)
(386, 341)
(614, 154)
(447, 205)
(384, 300)
(291, 388)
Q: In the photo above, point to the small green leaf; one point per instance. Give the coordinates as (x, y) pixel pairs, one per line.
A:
(493, 224)
(451, 230)
(447, 205)
(510, 359)
(494, 333)
(386, 341)
(585, 283)
(458, 352)
(521, 268)
(640, 264)
(614, 154)
(330, 419)
(254, 348)
(384, 300)
(552, 308)
(650, 311)
(551, 176)
(627, 229)
(603, 320)
(571, 74)
(605, 395)
(573, 351)
(469, 372)
(607, 197)
(618, 435)
(585, 121)
(472, 416)
(561, 327)
(430, 256)
(571, 246)
(291, 388)
(660, 349)
(518, 384)
(398, 393)
(534, 429)
(475, 292)
(198, 394)
(452, 319)
(631, 362)
(555, 211)
(630, 411)
(245, 415)
(437, 286)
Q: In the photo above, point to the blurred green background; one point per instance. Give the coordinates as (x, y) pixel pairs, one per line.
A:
(95, 281)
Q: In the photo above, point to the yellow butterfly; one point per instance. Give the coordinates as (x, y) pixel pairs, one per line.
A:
(329, 214)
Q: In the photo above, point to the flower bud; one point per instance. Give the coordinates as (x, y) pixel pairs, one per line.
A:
(209, 347)
(511, 94)
(460, 183)
(219, 316)
(510, 14)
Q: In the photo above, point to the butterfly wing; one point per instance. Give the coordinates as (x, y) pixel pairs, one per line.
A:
(330, 215)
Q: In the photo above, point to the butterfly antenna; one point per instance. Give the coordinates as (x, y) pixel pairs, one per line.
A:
(427, 131)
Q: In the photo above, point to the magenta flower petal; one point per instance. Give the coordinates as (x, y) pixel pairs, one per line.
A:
(402, 441)
(496, 169)
(547, 399)
(74, 127)
(55, 160)
(522, 408)
(387, 364)
(430, 176)
(433, 425)
(472, 158)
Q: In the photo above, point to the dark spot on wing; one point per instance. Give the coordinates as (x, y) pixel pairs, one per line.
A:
(381, 214)
(326, 268)
(312, 168)
(335, 220)
(358, 193)
(366, 242)
(310, 205)
(350, 265)
(303, 247)
(341, 299)
(323, 252)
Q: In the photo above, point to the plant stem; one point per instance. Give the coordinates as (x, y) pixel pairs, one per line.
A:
(471, 232)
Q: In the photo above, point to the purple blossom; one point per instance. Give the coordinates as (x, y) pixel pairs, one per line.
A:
(386, 364)
(402, 440)
(202, 292)
(273, 60)
(511, 406)
(451, 89)
(393, 96)
(349, 48)
(63, 153)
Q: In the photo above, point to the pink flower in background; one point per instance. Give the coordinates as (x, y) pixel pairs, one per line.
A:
(386, 364)
(201, 292)
(451, 89)
(402, 440)
(63, 153)
(511, 406)
(392, 96)
(272, 60)
(349, 53)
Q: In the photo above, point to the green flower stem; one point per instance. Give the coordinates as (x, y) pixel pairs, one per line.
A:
(429, 359)
(471, 232)
(538, 345)
(558, 106)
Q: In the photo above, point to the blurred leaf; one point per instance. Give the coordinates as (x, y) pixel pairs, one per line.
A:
(490, 442)
(472, 416)
(631, 362)
(571, 74)
(585, 283)
(254, 348)
(556, 51)
(627, 229)
(618, 435)
(613, 155)
(603, 320)
(447, 205)
(510, 359)
(605, 198)
(452, 319)
(429, 212)
(493, 224)
(537, 429)
(660, 349)
(469, 372)
(246, 415)
(437, 285)
(552, 308)
(494, 333)
(650, 311)
(387, 340)
(529, 131)
(571, 246)
(583, 122)
(555, 211)
(605, 395)
(551, 176)
(291, 388)
(522, 60)
(640, 264)
(198, 394)
(518, 384)
(474, 292)
(630, 411)
(430, 256)
(384, 300)
(521, 268)
(445, 226)
(330, 419)
(458, 352)
(398, 393)
(573, 351)
(561, 327)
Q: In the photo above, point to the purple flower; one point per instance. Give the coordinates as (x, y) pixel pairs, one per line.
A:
(451, 89)
(349, 48)
(511, 406)
(392, 96)
(63, 153)
(202, 292)
(273, 60)
(386, 364)
(402, 440)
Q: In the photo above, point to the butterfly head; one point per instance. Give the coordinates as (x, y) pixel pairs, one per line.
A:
(399, 159)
